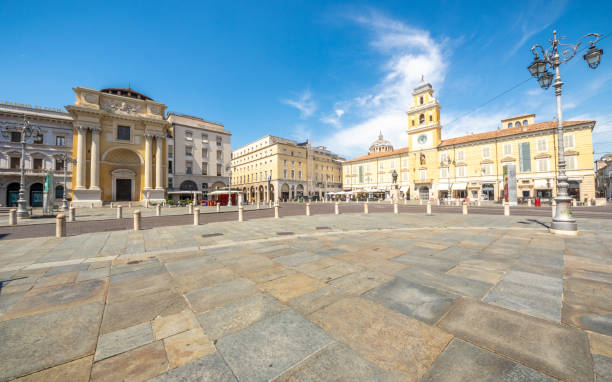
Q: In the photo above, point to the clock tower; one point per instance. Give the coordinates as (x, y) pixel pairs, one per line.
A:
(424, 129)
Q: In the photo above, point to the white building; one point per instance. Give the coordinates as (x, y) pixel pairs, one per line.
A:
(198, 157)
(44, 154)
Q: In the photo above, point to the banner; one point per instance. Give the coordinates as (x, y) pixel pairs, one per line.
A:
(510, 184)
(47, 195)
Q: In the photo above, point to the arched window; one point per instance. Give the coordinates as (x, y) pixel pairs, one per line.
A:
(413, 122)
(430, 118)
(421, 119)
(188, 185)
(421, 100)
(517, 124)
(525, 123)
(509, 124)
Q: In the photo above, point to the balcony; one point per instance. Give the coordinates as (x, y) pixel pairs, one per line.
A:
(32, 172)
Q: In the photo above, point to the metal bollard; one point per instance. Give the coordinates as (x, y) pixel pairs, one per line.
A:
(395, 208)
(465, 208)
(71, 214)
(365, 207)
(257, 205)
(336, 208)
(218, 207)
(91, 205)
(428, 208)
(196, 216)
(554, 208)
(506, 209)
(457, 202)
(276, 211)
(137, 220)
(60, 225)
(307, 208)
(13, 216)
(240, 213)
(420, 202)
(119, 212)
(270, 204)
(405, 201)
(438, 201)
(478, 202)
(158, 210)
(528, 202)
(190, 208)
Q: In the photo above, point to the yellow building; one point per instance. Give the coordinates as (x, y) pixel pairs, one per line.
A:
(118, 136)
(274, 167)
(472, 166)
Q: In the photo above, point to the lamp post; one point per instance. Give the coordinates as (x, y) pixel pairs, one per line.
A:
(25, 131)
(64, 200)
(228, 168)
(557, 54)
(269, 179)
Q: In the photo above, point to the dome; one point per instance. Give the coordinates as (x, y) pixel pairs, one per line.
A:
(380, 145)
(126, 93)
(422, 86)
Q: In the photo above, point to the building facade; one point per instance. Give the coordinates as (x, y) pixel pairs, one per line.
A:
(48, 153)
(604, 176)
(199, 155)
(472, 166)
(273, 168)
(119, 144)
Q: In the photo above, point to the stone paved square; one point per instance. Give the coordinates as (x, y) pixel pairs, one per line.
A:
(375, 297)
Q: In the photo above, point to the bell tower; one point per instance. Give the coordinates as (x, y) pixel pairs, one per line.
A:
(424, 129)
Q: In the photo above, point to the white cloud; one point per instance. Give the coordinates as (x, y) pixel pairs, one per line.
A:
(410, 53)
(304, 103)
(301, 133)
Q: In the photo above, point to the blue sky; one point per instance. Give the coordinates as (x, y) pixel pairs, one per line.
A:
(334, 72)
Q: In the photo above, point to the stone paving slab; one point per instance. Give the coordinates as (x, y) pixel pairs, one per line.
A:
(562, 352)
(123, 340)
(269, 347)
(210, 368)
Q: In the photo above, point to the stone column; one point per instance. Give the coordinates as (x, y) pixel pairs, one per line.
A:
(95, 158)
(81, 158)
(159, 184)
(148, 161)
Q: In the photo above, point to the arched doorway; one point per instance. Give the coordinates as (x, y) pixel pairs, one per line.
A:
(299, 190)
(292, 192)
(261, 193)
(285, 191)
(271, 193)
(12, 194)
(424, 193)
(36, 195)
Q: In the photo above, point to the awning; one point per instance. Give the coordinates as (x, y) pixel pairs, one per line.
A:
(184, 192)
(541, 184)
(459, 186)
(404, 188)
(225, 192)
(443, 187)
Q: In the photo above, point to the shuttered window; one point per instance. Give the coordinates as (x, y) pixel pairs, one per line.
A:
(525, 157)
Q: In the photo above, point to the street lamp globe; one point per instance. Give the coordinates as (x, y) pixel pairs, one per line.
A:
(545, 80)
(537, 67)
(593, 56)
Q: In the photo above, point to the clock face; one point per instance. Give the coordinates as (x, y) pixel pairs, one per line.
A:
(422, 139)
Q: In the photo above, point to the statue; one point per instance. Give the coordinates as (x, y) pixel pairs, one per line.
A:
(422, 159)
(394, 175)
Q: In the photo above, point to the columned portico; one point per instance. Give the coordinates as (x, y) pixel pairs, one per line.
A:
(148, 161)
(81, 158)
(95, 159)
(159, 181)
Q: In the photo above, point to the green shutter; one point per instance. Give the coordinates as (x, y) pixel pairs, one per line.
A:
(361, 174)
(525, 159)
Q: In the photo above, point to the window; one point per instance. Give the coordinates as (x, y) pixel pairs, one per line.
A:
(392, 165)
(444, 158)
(507, 149)
(292, 174)
(285, 174)
(381, 178)
(486, 152)
(421, 119)
(37, 139)
(59, 192)
(204, 168)
(405, 177)
(525, 123)
(542, 164)
(219, 142)
(517, 124)
(381, 165)
(15, 136)
(568, 141)
(285, 162)
(37, 164)
(219, 170)
(430, 118)
(169, 182)
(188, 168)
(422, 174)
(525, 157)
(15, 162)
(509, 125)
(188, 136)
(204, 153)
(571, 162)
(541, 145)
(59, 165)
(444, 172)
(360, 174)
(300, 175)
(204, 138)
(487, 169)
(187, 151)
(170, 154)
(460, 156)
(169, 167)
(460, 173)
(421, 99)
(123, 133)
(219, 155)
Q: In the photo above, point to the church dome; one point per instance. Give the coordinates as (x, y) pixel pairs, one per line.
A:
(380, 145)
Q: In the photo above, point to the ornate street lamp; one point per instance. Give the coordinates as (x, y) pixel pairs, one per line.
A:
(25, 131)
(64, 200)
(228, 168)
(557, 54)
